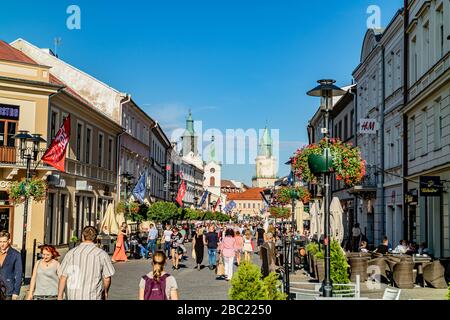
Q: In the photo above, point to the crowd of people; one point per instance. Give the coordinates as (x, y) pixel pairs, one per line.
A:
(86, 271)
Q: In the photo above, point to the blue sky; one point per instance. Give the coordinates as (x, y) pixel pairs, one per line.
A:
(235, 63)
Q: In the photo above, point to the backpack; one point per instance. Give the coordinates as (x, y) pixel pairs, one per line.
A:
(155, 290)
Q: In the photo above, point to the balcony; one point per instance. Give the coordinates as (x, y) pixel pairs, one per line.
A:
(368, 185)
(10, 157)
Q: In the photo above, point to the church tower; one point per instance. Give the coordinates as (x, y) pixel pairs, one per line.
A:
(190, 142)
(266, 163)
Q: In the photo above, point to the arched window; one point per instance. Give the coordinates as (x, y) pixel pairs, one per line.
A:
(212, 181)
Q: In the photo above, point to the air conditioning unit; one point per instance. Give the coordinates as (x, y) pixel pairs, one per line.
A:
(82, 185)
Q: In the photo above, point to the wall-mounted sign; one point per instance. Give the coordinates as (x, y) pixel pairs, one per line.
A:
(368, 126)
(411, 197)
(9, 112)
(430, 186)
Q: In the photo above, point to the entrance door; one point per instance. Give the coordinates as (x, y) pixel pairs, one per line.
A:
(5, 219)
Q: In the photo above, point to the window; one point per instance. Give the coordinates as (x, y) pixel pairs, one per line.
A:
(398, 146)
(100, 150)
(79, 141)
(345, 127)
(335, 133)
(88, 145)
(398, 70)
(352, 121)
(388, 149)
(437, 124)
(389, 80)
(340, 130)
(53, 124)
(414, 66)
(110, 153)
(426, 46)
(412, 145)
(440, 33)
(424, 131)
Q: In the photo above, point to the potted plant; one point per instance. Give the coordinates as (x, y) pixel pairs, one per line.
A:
(73, 242)
(343, 159)
(285, 195)
(19, 191)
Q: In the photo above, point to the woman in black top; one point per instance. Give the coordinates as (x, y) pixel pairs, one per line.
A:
(198, 243)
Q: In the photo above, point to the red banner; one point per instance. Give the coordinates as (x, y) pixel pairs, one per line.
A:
(217, 204)
(181, 193)
(56, 152)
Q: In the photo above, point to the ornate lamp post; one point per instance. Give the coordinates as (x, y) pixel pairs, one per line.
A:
(326, 90)
(27, 154)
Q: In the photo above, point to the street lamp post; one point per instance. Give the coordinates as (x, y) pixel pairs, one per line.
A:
(293, 224)
(25, 154)
(326, 90)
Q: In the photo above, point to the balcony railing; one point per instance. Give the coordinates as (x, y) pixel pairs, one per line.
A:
(370, 180)
(10, 156)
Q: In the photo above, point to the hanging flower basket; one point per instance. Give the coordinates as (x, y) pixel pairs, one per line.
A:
(280, 212)
(19, 191)
(345, 162)
(133, 207)
(285, 195)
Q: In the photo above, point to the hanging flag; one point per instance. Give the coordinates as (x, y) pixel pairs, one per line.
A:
(217, 204)
(202, 201)
(55, 155)
(181, 193)
(140, 188)
(230, 206)
(290, 178)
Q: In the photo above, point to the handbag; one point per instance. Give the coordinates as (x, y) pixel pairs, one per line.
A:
(220, 270)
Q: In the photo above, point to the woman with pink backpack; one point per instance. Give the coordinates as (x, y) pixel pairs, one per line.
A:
(157, 284)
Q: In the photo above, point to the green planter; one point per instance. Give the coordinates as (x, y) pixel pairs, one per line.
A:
(318, 163)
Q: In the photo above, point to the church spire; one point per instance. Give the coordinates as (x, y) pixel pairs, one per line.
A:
(265, 145)
(212, 150)
(190, 124)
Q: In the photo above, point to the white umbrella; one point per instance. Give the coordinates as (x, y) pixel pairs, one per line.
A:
(299, 216)
(336, 213)
(315, 228)
(109, 223)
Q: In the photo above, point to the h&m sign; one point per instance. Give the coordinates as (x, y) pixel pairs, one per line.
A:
(368, 126)
(430, 186)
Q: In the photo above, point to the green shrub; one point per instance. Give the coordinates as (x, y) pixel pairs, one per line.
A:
(312, 248)
(338, 264)
(247, 284)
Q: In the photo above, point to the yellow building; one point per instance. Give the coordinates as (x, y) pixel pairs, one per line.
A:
(34, 100)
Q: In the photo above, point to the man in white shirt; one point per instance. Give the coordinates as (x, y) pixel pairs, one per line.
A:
(166, 239)
(152, 236)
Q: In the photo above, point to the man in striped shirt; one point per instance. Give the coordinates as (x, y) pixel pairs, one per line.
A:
(86, 270)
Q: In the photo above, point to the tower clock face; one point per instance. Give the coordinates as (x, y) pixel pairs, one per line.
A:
(212, 170)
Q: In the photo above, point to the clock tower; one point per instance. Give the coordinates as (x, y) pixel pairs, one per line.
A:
(266, 163)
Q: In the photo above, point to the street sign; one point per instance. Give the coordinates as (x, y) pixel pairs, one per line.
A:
(430, 186)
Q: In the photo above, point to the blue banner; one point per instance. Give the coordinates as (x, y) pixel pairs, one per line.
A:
(140, 188)
(202, 201)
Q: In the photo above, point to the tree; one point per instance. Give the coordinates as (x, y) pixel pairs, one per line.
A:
(162, 211)
(338, 264)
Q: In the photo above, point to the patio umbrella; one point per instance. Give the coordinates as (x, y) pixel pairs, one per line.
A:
(120, 217)
(109, 223)
(315, 228)
(336, 213)
(299, 212)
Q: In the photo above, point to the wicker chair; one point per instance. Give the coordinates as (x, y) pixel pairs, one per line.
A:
(358, 266)
(403, 275)
(382, 266)
(433, 275)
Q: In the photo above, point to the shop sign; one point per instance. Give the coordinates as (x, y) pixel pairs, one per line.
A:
(9, 112)
(430, 186)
